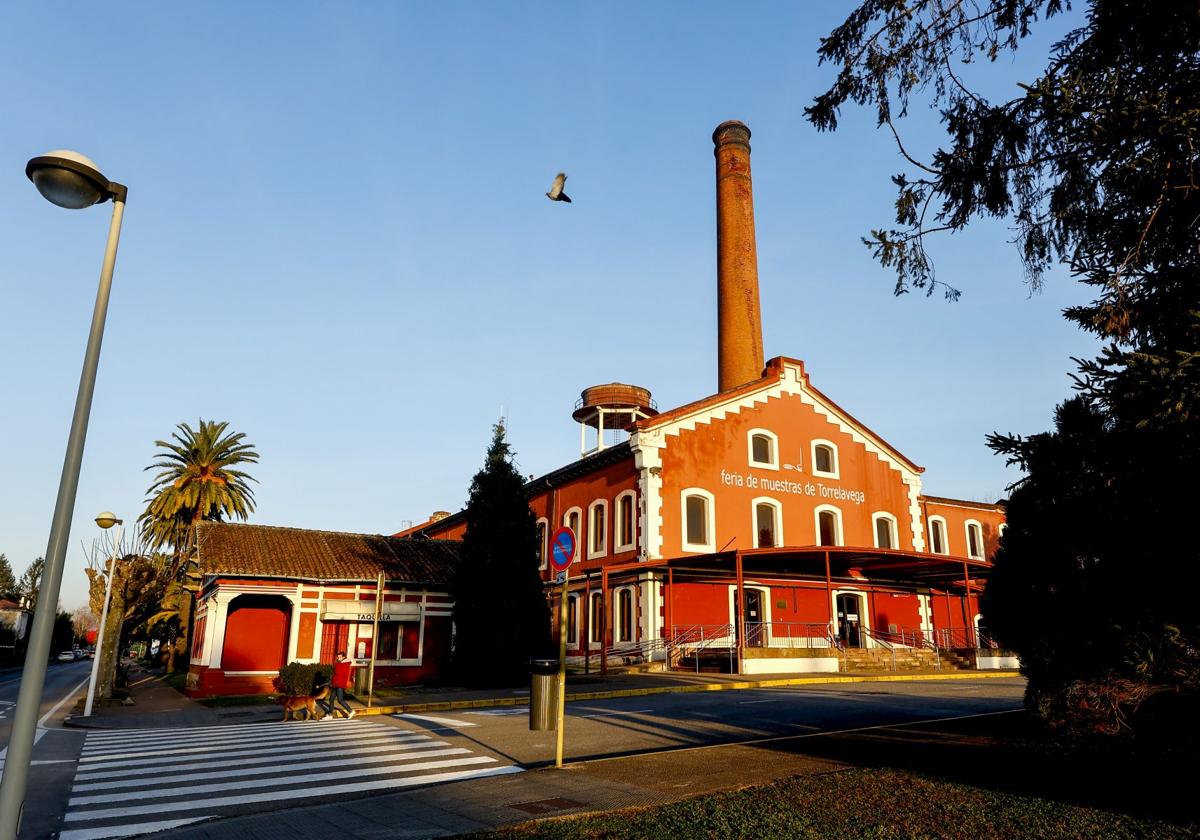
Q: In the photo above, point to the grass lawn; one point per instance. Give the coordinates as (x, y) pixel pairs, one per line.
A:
(879, 804)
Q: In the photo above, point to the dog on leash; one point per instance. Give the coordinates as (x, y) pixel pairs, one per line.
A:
(292, 704)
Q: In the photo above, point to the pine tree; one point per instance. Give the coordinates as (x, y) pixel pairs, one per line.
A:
(8, 581)
(31, 582)
(501, 615)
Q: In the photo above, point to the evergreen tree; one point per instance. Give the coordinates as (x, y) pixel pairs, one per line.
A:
(8, 581)
(31, 582)
(501, 615)
(1094, 163)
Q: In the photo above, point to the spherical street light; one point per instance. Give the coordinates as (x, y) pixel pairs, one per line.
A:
(107, 519)
(68, 179)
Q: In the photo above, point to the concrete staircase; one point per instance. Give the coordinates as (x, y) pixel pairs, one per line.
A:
(880, 659)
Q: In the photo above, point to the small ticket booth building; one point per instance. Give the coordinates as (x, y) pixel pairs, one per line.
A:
(273, 595)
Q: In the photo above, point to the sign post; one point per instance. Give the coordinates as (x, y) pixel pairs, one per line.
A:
(374, 640)
(562, 552)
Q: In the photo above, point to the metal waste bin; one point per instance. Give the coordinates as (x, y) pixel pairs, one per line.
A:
(543, 694)
(360, 682)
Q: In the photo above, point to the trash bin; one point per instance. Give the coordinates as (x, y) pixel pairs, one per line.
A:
(360, 682)
(543, 694)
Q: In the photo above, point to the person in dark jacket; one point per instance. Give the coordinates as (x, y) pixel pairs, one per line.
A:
(338, 684)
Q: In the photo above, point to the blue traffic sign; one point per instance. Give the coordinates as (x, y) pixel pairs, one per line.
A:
(562, 548)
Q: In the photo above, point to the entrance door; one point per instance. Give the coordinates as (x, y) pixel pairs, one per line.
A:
(849, 617)
(335, 638)
(756, 629)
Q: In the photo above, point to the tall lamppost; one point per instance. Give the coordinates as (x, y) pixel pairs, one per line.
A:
(67, 179)
(105, 520)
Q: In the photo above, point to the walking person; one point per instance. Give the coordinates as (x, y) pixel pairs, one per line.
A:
(338, 684)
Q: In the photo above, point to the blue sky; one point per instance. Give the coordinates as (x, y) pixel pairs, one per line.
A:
(337, 240)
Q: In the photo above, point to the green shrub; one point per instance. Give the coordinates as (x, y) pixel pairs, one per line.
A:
(297, 678)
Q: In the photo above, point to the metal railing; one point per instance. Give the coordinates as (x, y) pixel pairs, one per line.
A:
(695, 639)
(789, 634)
(880, 641)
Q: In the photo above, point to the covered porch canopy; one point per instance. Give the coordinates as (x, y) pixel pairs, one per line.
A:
(948, 573)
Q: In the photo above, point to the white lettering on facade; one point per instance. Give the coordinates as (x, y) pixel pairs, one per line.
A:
(781, 485)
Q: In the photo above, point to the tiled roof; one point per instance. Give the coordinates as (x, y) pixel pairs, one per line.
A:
(301, 554)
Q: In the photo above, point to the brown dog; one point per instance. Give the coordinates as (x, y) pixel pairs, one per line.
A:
(292, 704)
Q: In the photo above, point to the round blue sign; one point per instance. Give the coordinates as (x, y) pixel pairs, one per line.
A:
(562, 548)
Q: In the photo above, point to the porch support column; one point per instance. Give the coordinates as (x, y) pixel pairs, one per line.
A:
(740, 629)
(293, 624)
(219, 617)
(604, 621)
(829, 595)
(949, 620)
(969, 618)
(670, 603)
(586, 634)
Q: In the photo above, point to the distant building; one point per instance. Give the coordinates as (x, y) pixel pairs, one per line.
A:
(270, 596)
(14, 625)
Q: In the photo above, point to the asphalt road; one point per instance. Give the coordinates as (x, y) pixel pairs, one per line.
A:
(56, 749)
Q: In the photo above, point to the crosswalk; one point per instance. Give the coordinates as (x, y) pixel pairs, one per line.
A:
(139, 781)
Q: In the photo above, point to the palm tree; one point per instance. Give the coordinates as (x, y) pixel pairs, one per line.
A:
(197, 481)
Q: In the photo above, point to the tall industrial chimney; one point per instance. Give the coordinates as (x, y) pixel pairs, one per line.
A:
(739, 322)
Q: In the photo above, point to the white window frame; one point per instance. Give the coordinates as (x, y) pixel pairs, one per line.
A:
(619, 546)
(566, 521)
(544, 550)
(837, 519)
(775, 505)
(967, 533)
(746, 587)
(891, 521)
(616, 615)
(837, 460)
(773, 464)
(602, 551)
(934, 521)
(710, 544)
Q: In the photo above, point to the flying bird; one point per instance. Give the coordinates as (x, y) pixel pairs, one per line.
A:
(556, 192)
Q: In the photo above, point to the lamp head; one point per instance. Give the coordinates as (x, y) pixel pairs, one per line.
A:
(107, 519)
(69, 179)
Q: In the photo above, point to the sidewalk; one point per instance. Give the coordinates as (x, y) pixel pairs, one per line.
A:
(157, 705)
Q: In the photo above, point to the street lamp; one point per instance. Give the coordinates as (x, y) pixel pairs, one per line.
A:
(67, 179)
(105, 520)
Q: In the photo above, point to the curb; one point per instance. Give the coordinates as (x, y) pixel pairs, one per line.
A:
(779, 682)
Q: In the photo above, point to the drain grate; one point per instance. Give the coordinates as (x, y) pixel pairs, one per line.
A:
(545, 806)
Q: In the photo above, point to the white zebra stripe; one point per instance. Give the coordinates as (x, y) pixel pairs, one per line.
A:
(246, 784)
(230, 773)
(125, 830)
(258, 748)
(185, 738)
(329, 752)
(281, 795)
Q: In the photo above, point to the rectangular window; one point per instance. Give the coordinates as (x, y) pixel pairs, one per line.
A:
(573, 523)
(761, 449)
(625, 615)
(597, 529)
(594, 617)
(828, 525)
(764, 516)
(389, 640)
(410, 642)
(824, 460)
(572, 621)
(541, 538)
(625, 512)
(974, 543)
(883, 533)
(938, 537)
(697, 520)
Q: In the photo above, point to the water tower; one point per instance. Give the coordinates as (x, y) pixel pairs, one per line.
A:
(611, 407)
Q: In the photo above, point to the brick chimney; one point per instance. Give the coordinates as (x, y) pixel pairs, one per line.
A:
(739, 322)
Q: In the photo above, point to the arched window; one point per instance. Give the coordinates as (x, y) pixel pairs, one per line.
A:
(698, 525)
(937, 535)
(543, 533)
(768, 523)
(597, 529)
(825, 459)
(623, 618)
(829, 525)
(595, 616)
(624, 526)
(763, 449)
(885, 530)
(974, 540)
(573, 518)
(572, 620)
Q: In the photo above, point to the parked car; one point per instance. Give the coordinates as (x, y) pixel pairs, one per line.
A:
(66, 656)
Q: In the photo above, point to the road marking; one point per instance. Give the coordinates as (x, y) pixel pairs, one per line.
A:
(141, 768)
(280, 795)
(748, 702)
(610, 714)
(516, 710)
(125, 830)
(449, 722)
(135, 778)
(42, 720)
